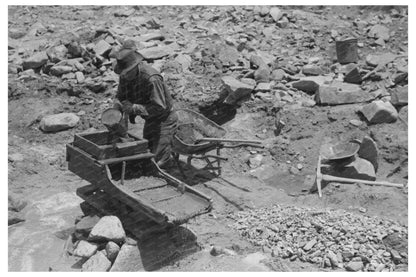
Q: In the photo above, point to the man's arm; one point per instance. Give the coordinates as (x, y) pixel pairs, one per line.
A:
(157, 105)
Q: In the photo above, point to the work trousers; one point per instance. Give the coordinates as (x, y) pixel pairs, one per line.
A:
(160, 133)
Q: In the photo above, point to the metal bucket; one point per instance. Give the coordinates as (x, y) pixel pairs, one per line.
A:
(347, 51)
(115, 122)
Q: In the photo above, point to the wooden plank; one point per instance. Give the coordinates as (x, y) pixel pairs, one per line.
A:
(126, 158)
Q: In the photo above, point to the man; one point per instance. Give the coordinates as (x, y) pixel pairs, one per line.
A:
(143, 92)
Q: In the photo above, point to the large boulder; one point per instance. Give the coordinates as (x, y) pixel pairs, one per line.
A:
(128, 259)
(109, 228)
(236, 90)
(58, 122)
(379, 112)
(35, 61)
(97, 263)
(341, 93)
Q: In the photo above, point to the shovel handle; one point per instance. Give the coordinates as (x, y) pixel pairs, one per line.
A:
(230, 140)
(330, 178)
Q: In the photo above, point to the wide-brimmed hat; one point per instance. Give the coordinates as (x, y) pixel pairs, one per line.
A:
(127, 57)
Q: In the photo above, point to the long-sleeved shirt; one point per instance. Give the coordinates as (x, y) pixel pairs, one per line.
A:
(144, 86)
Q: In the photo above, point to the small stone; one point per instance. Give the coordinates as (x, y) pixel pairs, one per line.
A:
(58, 70)
(283, 23)
(154, 53)
(375, 60)
(75, 50)
(112, 250)
(307, 86)
(35, 61)
(276, 13)
(380, 268)
(236, 90)
(102, 48)
(184, 60)
(332, 258)
(395, 255)
(109, 228)
(85, 225)
(262, 75)
(299, 166)
(257, 62)
(85, 249)
(347, 255)
(69, 76)
(353, 76)
(354, 266)
(293, 170)
(15, 157)
(399, 97)
(57, 53)
(97, 263)
(278, 74)
(58, 122)
(362, 210)
(263, 87)
(356, 122)
(379, 112)
(152, 36)
(248, 81)
(80, 77)
(311, 69)
(379, 31)
(256, 161)
(309, 245)
(128, 260)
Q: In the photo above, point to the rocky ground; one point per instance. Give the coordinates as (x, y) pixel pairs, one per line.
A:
(264, 73)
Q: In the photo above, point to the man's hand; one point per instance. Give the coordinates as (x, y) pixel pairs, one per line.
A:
(130, 108)
(127, 107)
(118, 106)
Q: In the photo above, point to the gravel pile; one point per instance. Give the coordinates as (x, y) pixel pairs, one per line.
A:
(334, 238)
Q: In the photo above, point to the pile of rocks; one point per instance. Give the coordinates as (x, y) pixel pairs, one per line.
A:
(100, 243)
(332, 238)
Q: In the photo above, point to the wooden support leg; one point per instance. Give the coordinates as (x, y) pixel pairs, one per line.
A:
(219, 161)
(178, 164)
(123, 172)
